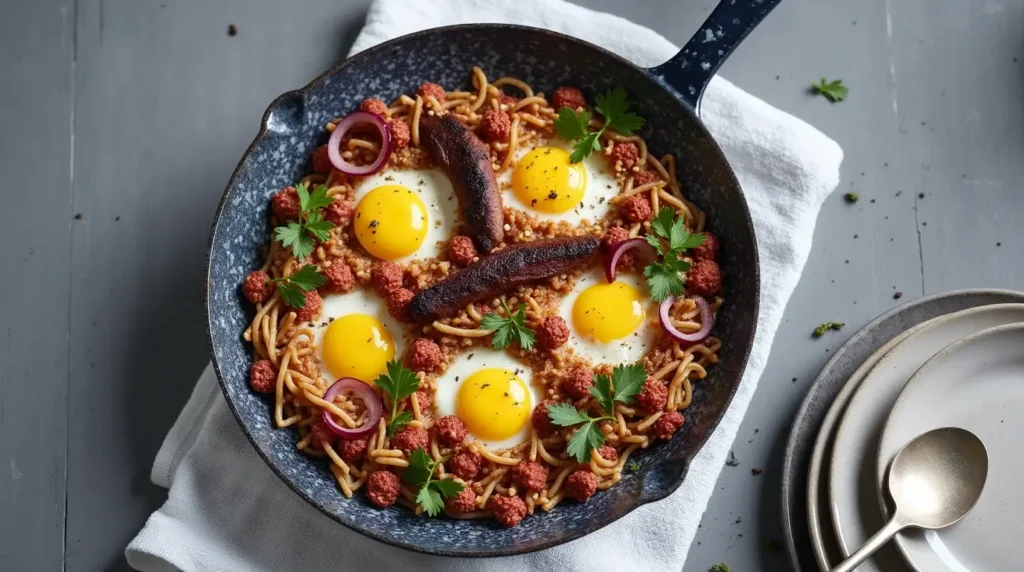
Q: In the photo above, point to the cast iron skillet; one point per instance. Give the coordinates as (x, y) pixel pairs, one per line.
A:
(667, 96)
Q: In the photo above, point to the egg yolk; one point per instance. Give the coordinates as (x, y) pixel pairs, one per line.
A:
(546, 180)
(494, 403)
(391, 222)
(607, 312)
(357, 346)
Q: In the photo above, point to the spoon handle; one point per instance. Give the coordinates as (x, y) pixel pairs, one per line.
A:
(871, 546)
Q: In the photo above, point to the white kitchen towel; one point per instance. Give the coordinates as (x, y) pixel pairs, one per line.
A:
(227, 510)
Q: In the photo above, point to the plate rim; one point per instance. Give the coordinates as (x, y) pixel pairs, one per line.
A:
(943, 355)
(827, 432)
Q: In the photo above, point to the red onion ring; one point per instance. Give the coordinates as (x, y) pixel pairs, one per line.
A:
(374, 407)
(343, 127)
(707, 320)
(612, 261)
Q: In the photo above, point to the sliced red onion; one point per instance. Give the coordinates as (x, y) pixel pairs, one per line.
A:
(344, 126)
(707, 320)
(612, 260)
(370, 400)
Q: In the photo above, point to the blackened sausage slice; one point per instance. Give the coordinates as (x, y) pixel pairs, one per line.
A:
(466, 161)
(500, 272)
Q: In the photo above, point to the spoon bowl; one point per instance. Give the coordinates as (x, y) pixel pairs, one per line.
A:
(937, 478)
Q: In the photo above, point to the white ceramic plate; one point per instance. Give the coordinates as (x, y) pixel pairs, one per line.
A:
(976, 383)
(823, 539)
(853, 496)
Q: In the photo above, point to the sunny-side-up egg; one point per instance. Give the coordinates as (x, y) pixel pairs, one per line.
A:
(546, 184)
(609, 323)
(492, 394)
(355, 336)
(403, 215)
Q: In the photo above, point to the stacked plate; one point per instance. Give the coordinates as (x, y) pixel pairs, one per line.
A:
(952, 359)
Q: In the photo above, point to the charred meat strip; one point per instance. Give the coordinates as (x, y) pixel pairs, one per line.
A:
(500, 272)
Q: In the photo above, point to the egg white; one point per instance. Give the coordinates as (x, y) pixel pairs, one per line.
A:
(435, 190)
(623, 350)
(358, 301)
(483, 358)
(601, 185)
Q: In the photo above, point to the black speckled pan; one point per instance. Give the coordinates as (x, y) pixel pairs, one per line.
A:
(667, 96)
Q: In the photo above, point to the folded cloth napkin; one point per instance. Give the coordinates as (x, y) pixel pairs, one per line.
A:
(227, 510)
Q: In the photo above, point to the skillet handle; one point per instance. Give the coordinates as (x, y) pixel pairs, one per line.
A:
(690, 70)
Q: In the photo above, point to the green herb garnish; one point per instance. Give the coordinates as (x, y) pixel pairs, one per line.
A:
(720, 567)
(614, 106)
(420, 473)
(623, 386)
(301, 235)
(633, 466)
(291, 288)
(851, 197)
(832, 90)
(399, 382)
(664, 277)
(827, 326)
(508, 328)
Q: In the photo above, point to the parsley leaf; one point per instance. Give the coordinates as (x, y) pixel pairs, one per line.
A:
(614, 106)
(587, 437)
(633, 466)
(851, 197)
(664, 277)
(827, 326)
(301, 235)
(720, 567)
(509, 328)
(628, 380)
(571, 125)
(399, 382)
(625, 382)
(832, 90)
(602, 392)
(420, 473)
(291, 287)
(398, 422)
(565, 415)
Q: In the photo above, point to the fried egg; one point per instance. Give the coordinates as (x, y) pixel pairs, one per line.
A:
(492, 394)
(404, 215)
(608, 323)
(546, 184)
(355, 336)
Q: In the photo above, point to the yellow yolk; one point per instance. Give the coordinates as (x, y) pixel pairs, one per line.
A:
(607, 312)
(494, 403)
(357, 346)
(391, 222)
(546, 180)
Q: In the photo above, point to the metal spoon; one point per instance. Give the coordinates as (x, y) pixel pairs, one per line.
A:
(934, 480)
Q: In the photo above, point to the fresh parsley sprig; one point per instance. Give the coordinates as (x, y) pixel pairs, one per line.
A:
(301, 235)
(420, 473)
(833, 91)
(614, 106)
(508, 328)
(399, 382)
(291, 287)
(622, 387)
(720, 567)
(670, 239)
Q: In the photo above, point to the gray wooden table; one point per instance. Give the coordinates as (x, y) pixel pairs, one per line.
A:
(120, 121)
